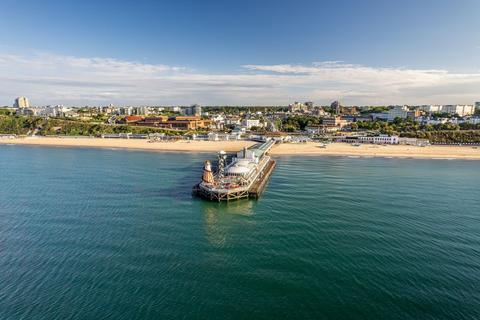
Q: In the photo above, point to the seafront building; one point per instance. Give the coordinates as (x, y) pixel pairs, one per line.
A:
(381, 139)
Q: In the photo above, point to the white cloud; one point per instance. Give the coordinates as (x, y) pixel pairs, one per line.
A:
(51, 79)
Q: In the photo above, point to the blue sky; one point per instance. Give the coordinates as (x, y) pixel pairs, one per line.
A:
(240, 52)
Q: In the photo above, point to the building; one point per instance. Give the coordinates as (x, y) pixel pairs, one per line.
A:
(26, 112)
(143, 110)
(430, 108)
(21, 102)
(336, 107)
(297, 107)
(329, 124)
(195, 110)
(108, 110)
(215, 136)
(133, 119)
(413, 141)
(461, 110)
(249, 123)
(380, 139)
(309, 105)
(397, 112)
(233, 121)
(366, 118)
(336, 121)
(179, 123)
(414, 114)
(379, 116)
(125, 111)
(320, 112)
(477, 105)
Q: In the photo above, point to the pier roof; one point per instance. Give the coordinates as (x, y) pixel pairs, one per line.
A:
(263, 148)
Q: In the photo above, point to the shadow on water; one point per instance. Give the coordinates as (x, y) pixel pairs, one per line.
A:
(221, 217)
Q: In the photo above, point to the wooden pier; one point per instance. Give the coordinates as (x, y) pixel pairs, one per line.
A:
(225, 189)
(253, 192)
(259, 185)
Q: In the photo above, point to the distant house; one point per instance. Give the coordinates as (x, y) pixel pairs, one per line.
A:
(133, 119)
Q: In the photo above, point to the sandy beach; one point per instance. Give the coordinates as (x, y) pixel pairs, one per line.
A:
(369, 150)
(311, 148)
(139, 144)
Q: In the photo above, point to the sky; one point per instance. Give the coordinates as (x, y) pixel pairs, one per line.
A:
(244, 52)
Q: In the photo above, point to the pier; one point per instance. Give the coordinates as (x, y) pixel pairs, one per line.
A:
(245, 176)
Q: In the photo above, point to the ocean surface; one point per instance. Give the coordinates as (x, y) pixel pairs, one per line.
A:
(115, 234)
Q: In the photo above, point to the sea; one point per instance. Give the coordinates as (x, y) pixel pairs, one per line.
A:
(116, 234)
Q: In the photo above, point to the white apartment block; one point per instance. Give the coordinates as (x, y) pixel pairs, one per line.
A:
(434, 108)
(397, 112)
(21, 102)
(249, 123)
(461, 110)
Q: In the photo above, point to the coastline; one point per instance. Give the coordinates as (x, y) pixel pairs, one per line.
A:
(286, 149)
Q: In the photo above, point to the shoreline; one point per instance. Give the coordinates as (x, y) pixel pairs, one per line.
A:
(285, 149)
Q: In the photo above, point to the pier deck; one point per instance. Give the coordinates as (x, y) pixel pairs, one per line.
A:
(240, 184)
(259, 185)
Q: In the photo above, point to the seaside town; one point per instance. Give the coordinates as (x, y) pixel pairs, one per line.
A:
(296, 123)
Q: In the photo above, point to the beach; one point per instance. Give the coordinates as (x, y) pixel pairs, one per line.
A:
(133, 144)
(309, 148)
(370, 150)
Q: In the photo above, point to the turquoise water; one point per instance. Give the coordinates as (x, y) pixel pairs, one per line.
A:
(113, 234)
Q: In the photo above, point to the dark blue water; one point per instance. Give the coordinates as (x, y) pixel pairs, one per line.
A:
(109, 234)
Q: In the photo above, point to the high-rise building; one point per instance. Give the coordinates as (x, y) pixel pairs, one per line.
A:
(477, 105)
(195, 110)
(21, 102)
(336, 107)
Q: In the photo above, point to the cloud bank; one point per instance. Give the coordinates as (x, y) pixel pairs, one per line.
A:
(55, 79)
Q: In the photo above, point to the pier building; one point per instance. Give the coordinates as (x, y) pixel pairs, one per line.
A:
(244, 177)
